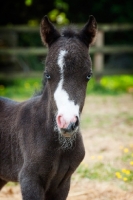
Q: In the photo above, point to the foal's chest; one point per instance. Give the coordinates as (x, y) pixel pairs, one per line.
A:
(65, 166)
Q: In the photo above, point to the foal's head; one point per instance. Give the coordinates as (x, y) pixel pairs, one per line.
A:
(68, 70)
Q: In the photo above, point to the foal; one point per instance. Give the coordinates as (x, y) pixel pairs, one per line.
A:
(40, 140)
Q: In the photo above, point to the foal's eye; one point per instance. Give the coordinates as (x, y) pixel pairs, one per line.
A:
(47, 76)
(88, 77)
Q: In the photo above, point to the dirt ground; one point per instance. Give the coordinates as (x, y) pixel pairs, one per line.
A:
(107, 125)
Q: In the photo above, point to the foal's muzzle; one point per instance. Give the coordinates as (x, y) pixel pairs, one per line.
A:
(72, 127)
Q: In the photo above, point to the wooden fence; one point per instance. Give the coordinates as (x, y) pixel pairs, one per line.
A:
(98, 50)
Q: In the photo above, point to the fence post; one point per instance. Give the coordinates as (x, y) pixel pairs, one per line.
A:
(99, 57)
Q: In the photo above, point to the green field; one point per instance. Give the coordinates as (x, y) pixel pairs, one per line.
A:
(23, 88)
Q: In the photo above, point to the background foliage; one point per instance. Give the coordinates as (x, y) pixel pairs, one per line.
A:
(30, 12)
(63, 11)
(23, 88)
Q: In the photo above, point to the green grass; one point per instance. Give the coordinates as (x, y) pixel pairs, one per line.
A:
(111, 85)
(99, 171)
(23, 88)
(19, 88)
(12, 184)
(126, 173)
(102, 171)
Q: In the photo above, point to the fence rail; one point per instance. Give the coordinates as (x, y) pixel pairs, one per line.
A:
(103, 27)
(43, 51)
(99, 50)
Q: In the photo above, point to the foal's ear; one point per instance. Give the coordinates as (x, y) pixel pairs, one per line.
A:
(48, 32)
(88, 33)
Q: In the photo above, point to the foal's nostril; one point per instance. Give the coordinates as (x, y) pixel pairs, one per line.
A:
(77, 121)
(72, 126)
(67, 127)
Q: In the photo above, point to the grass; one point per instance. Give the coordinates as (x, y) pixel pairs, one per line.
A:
(126, 174)
(25, 87)
(101, 171)
(19, 88)
(111, 85)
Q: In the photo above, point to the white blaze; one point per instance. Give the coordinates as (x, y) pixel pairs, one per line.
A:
(66, 107)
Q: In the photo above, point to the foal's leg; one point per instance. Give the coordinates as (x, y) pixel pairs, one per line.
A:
(2, 183)
(31, 187)
(62, 191)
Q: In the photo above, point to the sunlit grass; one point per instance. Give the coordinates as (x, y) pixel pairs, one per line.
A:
(126, 173)
(20, 88)
(12, 184)
(118, 83)
(103, 171)
(23, 88)
(111, 85)
(98, 171)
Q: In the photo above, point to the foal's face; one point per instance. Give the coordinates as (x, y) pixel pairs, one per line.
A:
(68, 69)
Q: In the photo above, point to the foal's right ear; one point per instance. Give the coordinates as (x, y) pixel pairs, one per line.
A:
(48, 32)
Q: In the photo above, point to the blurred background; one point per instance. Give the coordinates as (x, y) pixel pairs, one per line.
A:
(22, 55)
(107, 120)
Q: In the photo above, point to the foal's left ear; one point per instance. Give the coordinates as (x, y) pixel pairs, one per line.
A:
(48, 32)
(88, 33)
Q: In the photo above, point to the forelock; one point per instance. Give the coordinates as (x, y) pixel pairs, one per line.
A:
(69, 32)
